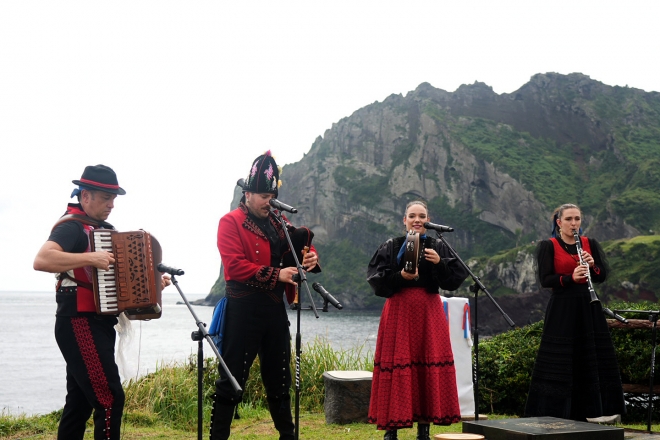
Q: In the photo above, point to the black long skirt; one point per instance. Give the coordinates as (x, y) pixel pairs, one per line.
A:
(576, 375)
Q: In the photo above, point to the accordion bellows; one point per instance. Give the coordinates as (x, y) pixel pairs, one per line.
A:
(132, 284)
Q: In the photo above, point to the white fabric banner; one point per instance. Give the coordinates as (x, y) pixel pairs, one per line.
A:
(458, 310)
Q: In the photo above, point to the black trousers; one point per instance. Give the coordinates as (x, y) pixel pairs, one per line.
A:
(92, 377)
(256, 328)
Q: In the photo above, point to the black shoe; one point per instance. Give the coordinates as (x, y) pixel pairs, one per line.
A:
(423, 431)
(390, 434)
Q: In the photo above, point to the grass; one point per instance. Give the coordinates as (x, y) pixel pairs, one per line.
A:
(163, 405)
(317, 357)
(255, 423)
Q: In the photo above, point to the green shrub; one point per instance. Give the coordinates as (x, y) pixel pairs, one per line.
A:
(316, 358)
(169, 395)
(633, 346)
(506, 362)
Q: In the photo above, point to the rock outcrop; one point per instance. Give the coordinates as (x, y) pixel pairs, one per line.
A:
(493, 166)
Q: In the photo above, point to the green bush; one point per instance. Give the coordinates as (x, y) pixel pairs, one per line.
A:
(633, 346)
(316, 358)
(169, 395)
(506, 361)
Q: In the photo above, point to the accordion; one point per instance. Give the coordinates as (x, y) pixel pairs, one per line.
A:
(132, 284)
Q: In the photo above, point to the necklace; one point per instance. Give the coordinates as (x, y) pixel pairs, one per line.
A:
(565, 246)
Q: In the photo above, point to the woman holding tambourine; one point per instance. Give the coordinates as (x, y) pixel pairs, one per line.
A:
(414, 378)
(576, 375)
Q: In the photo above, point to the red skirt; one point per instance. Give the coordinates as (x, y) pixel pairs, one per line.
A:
(414, 377)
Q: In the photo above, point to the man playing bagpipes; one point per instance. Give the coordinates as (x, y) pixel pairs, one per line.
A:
(259, 271)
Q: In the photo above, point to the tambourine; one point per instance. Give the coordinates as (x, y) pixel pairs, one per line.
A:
(412, 252)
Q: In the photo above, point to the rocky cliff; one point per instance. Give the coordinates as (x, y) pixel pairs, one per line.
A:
(493, 166)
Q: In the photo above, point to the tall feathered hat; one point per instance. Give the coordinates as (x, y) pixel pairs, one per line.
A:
(264, 175)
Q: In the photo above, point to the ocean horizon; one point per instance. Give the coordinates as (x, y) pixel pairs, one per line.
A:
(33, 370)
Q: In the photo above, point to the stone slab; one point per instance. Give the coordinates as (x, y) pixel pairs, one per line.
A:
(542, 428)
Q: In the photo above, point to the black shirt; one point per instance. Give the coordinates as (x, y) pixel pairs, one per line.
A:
(70, 236)
(273, 238)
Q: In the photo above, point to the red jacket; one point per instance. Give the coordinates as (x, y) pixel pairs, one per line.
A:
(245, 251)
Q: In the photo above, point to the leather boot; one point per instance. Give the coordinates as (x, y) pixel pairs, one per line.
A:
(280, 411)
(390, 434)
(221, 417)
(423, 431)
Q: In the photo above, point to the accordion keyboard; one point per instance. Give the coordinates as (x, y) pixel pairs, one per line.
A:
(106, 279)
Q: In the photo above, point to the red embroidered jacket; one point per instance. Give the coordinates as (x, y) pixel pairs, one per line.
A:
(245, 251)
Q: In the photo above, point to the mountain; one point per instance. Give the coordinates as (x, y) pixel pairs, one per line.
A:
(493, 166)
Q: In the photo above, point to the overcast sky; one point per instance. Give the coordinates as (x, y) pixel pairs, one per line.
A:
(180, 96)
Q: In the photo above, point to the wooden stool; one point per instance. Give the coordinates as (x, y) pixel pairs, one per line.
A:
(347, 395)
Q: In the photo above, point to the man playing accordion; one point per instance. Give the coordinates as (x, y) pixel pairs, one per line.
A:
(85, 338)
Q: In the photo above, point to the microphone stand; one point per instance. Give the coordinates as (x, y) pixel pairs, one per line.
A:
(476, 287)
(199, 336)
(653, 317)
(302, 279)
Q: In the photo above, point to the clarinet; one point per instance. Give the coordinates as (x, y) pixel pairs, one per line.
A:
(578, 244)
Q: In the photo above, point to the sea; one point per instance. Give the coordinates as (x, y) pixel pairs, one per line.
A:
(32, 371)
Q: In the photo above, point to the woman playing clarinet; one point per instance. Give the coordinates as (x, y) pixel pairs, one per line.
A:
(576, 375)
(414, 378)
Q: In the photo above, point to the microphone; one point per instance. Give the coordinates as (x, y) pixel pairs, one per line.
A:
(167, 269)
(282, 206)
(326, 296)
(613, 315)
(241, 183)
(439, 228)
